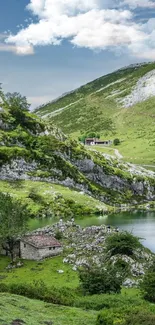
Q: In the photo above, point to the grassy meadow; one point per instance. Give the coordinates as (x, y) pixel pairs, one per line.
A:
(63, 201)
(46, 270)
(17, 310)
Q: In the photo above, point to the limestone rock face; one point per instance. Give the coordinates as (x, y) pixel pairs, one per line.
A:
(17, 169)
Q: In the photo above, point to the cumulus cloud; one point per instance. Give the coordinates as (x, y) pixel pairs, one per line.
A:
(85, 23)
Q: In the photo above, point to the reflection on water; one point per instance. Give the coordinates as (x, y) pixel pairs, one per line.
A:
(142, 224)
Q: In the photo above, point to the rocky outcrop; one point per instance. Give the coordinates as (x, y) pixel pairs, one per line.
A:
(87, 247)
(17, 169)
(34, 151)
(93, 173)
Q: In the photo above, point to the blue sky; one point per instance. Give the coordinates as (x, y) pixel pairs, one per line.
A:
(53, 46)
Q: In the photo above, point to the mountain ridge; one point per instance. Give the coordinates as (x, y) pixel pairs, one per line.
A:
(132, 66)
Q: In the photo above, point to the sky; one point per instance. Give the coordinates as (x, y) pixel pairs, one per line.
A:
(49, 47)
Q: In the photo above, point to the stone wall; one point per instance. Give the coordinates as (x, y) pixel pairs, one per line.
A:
(29, 252)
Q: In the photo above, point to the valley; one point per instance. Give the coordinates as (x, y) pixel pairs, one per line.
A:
(93, 199)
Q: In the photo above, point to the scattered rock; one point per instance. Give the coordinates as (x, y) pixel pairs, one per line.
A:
(129, 283)
(60, 271)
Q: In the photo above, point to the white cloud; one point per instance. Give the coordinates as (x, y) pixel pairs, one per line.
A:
(19, 50)
(140, 3)
(51, 8)
(85, 24)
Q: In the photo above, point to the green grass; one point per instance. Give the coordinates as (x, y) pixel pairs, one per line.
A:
(34, 312)
(130, 74)
(49, 192)
(107, 150)
(98, 112)
(46, 271)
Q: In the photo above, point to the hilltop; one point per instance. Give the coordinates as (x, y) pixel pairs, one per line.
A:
(118, 105)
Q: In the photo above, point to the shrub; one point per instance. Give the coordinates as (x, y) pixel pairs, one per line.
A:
(106, 301)
(116, 142)
(122, 243)
(126, 316)
(147, 286)
(38, 290)
(98, 281)
(58, 235)
(140, 318)
(111, 317)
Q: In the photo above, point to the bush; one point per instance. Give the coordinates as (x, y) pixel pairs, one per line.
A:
(147, 286)
(140, 318)
(58, 235)
(98, 281)
(122, 243)
(106, 301)
(38, 290)
(111, 317)
(126, 316)
(116, 142)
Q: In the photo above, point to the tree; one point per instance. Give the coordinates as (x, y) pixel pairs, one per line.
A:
(116, 142)
(84, 136)
(17, 100)
(122, 243)
(98, 280)
(13, 222)
(147, 286)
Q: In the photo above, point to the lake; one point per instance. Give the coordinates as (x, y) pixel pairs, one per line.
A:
(141, 224)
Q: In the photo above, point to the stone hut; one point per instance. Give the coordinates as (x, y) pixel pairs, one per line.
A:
(37, 247)
(95, 141)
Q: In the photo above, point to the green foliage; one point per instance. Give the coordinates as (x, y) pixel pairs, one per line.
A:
(9, 153)
(127, 316)
(34, 312)
(84, 136)
(35, 196)
(58, 235)
(122, 243)
(116, 142)
(13, 221)
(38, 290)
(140, 318)
(99, 280)
(106, 301)
(147, 285)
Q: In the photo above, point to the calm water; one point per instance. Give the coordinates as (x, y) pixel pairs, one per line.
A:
(141, 224)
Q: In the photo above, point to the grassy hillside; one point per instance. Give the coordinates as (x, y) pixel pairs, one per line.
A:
(100, 106)
(32, 151)
(16, 310)
(51, 199)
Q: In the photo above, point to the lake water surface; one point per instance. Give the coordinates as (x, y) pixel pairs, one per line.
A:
(141, 224)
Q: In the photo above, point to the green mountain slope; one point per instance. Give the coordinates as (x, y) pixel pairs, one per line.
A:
(121, 104)
(31, 152)
(32, 312)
